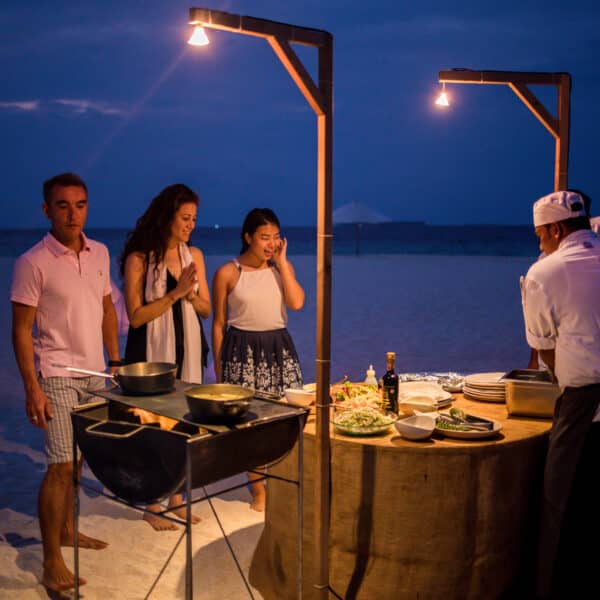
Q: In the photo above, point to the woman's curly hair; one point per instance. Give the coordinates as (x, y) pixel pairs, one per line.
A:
(153, 228)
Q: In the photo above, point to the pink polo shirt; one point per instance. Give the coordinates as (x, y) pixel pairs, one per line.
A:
(67, 289)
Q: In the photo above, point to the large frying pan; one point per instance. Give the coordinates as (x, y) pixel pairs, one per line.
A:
(218, 401)
(138, 379)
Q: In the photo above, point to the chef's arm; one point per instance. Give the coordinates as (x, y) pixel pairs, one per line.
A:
(292, 290)
(540, 326)
(219, 325)
(37, 406)
(135, 282)
(548, 357)
(533, 359)
(110, 328)
(200, 299)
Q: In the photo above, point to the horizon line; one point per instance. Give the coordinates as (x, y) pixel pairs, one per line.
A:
(218, 226)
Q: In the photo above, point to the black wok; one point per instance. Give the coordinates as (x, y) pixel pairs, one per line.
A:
(138, 379)
(218, 401)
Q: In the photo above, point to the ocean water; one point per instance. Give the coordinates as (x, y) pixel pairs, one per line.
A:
(443, 298)
(384, 238)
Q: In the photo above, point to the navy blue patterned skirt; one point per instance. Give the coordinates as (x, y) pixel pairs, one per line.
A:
(264, 360)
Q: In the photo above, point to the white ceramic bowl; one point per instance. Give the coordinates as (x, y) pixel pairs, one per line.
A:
(417, 427)
(300, 396)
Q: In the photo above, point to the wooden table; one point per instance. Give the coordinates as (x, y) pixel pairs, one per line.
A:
(440, 518)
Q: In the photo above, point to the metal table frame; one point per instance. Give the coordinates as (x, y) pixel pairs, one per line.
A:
(187, 532)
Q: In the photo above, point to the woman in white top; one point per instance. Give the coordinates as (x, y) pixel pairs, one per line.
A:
(166, 295)
(251, 344)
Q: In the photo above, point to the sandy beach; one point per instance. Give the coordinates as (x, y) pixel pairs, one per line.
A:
(439, 313)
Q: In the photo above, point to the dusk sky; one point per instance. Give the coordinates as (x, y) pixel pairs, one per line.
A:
(112, 91)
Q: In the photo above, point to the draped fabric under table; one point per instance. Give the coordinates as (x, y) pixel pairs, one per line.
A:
(440, 518)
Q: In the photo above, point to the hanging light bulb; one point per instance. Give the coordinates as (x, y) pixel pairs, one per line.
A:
(198, 37)
(442, 99)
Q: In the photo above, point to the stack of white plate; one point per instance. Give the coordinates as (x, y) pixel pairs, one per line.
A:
(484, 386)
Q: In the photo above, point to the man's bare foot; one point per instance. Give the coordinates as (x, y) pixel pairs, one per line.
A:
(84, 541)
(158, 522)
(181, 511)
(58, 578)
(182, 514)
(258, 502)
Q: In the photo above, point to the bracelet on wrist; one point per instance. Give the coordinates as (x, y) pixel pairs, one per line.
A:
(115, 363)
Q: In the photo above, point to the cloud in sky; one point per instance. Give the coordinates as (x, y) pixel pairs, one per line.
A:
(21, 105)
(76, 106)
(84, 105)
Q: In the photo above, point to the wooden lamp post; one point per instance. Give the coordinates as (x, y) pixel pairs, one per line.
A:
(518, 82)
(320, 98)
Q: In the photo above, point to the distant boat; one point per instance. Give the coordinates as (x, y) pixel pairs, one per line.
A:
(357, 214)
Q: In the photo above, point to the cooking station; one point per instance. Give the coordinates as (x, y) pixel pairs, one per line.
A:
(143, 463)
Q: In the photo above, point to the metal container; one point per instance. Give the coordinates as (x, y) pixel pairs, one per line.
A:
(218, 401)
(530, 393)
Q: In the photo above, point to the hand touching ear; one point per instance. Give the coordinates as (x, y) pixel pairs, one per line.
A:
(280, 253)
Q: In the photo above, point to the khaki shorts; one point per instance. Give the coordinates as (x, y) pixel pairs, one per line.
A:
(63, 397)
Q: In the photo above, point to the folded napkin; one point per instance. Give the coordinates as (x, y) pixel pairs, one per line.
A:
(421, 396)
(429, 390)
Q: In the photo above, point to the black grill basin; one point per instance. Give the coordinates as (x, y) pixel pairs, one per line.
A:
(146, 464)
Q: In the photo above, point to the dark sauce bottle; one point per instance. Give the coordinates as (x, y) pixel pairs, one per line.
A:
(390, 384)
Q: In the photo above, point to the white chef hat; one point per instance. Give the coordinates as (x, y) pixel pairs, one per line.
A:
(558, 206)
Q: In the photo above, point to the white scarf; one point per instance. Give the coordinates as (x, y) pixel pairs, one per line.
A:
(160, 336)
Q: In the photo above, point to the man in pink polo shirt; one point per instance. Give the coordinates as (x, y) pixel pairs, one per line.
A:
(62, 286)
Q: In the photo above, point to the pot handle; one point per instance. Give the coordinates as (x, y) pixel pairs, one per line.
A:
(91, 429)
(84, 371)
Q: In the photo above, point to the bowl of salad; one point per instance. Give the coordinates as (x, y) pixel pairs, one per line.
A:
(364, 420)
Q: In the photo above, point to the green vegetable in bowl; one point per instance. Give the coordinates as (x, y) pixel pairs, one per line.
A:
(444, 424)
(363, 417)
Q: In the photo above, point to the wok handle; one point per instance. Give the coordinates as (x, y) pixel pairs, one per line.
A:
(91, 430)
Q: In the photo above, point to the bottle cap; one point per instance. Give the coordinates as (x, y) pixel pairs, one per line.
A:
(389, 355)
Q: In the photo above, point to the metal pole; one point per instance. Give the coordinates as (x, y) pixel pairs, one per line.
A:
(323, 362)
(300, 502)
(75, 518)
(189, 578)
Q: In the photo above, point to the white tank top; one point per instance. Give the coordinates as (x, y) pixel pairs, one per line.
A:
(256, 302)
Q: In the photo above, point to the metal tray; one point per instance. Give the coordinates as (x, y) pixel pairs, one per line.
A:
(530, 393)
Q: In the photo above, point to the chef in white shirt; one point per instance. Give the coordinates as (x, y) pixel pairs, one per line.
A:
(535, 362)
(561, 306)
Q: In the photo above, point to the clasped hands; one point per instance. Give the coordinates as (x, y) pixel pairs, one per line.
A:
(187, 284)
